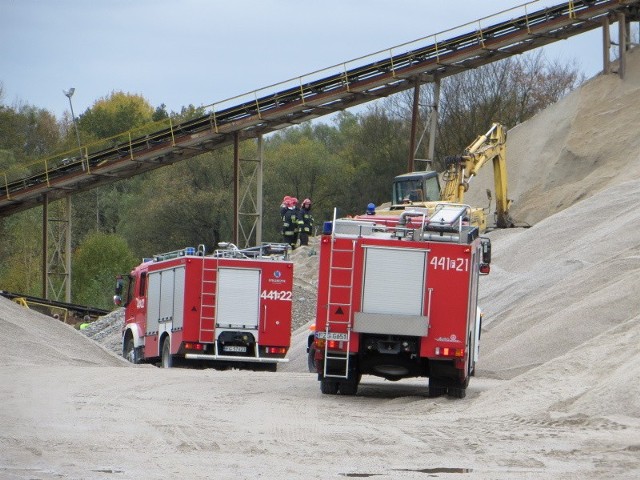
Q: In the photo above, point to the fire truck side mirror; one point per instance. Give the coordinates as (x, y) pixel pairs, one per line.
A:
(486, 250)
(117, 298)
(119, 285)
(485, 268)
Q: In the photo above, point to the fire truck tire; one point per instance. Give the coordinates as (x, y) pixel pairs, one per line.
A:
(167, 358)
(311, 360)
(266, 367)
(436, 388)
(472, 363)
(350, 387)
(130, 352)
(328, 387)
(457, 392)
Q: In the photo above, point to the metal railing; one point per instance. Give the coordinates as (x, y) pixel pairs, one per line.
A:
(318, 88)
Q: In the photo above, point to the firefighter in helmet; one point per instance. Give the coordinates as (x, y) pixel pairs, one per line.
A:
(306, 225)
(290, 225)
(283, 205)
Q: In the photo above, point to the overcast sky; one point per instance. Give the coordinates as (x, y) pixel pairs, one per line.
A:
(203, 51)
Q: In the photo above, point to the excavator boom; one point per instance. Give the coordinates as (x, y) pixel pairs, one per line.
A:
(461, 169)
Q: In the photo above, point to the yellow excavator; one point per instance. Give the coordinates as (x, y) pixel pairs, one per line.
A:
(421, 190)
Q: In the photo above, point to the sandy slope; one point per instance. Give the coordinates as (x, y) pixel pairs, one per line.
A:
(557, 393)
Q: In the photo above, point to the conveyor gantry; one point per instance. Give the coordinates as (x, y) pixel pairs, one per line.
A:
(304, 98)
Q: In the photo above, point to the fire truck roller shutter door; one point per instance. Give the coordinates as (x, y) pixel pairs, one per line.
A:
(178, 300)
(393, 281)
(153, 303)
(238, 298)
(393, 292)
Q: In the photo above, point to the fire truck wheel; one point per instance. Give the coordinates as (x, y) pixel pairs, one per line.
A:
(457, 392)
(267, 367)
(130, 352)
(167, 358)
(349, 387)
(311, 360)
(436, 388)
(472, 363)
(328, 387)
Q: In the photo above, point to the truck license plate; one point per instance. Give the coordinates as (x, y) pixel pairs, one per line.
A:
(333, 336)
(234, 348)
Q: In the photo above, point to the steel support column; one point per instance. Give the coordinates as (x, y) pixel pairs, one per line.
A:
(57, 260)
(415, 115)
(606, 46)
(622, 44)
(434, 119)
(250, 206)
(236, 187)
(45, 244)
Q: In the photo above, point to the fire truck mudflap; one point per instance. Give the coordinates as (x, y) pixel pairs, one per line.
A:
(229, 309)
(400, 301)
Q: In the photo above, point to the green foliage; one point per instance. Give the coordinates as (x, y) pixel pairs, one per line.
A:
(95, 265)
(182, 205)
(160, 113)
(28, 132)
(346, 163)
(115, 114)
(21, 253)
(299, 163)
(509, 92)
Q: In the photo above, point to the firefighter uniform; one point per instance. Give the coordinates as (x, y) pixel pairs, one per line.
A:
(306, 222)
(290, 226)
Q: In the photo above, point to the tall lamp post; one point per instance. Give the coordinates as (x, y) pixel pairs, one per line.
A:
(69, 94)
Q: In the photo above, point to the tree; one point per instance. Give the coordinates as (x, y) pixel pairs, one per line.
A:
(510, 92)
(377, 150)
(298, 163)
(186, 204)
(21, 253)
(95, 265)
(116, 113)
(28, 132)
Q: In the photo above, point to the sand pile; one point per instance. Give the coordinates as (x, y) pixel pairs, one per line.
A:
(556, 393)
(574, 149)
(29, 338)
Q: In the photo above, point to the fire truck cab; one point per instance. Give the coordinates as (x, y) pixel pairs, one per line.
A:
(400, 300)
(228, 309)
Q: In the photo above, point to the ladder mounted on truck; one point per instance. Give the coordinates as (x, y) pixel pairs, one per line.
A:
(330, 335)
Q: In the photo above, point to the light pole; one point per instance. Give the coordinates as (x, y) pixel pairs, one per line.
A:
(69, 94)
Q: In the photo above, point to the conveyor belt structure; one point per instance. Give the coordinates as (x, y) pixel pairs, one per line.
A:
(310, 96)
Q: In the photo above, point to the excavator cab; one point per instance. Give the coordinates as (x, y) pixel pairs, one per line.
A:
(415, 187)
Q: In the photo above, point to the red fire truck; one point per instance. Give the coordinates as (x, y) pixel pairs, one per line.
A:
(397, 298)
(228, 309)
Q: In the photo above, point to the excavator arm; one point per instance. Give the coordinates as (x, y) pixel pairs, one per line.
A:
(461, 169)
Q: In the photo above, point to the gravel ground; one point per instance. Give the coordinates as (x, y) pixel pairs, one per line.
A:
(556, 394)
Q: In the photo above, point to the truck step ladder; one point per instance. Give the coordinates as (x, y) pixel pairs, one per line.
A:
(208, 302)
(332, 325)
